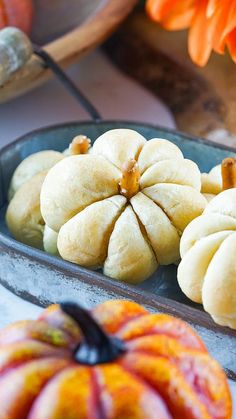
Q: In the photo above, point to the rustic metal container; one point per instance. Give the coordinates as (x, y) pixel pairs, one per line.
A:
(43, 279)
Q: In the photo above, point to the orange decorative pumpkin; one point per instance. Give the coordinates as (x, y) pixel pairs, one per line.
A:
(16, 13)
(126, 363)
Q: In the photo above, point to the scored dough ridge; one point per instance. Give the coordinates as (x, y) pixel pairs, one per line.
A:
(178, 171)
(107, 229)
(113, 227)
(194, 265)
(163, 209)
(144, 233)
(172, 194)
(155, 234)
(134, 249)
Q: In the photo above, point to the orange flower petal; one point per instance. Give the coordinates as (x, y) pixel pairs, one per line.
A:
(212, 24)
(212, 7)
(199, 44)
(231, 44)
(180, 17)
(216, 25)
(158, 9)
(230, 22)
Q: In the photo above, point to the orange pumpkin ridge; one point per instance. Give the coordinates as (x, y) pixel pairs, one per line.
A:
(54, 317)
(195, 366)
(16, 353)
(161, 324)
(113, 315)
(165, 378)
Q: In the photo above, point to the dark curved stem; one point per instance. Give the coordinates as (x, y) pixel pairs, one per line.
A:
(67, 82)
(97, 347)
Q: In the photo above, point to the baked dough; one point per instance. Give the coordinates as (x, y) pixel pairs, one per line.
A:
(50, 241)
(87, 233)
(130, 257)
(211, 183)
(73, 184)
(207, 272)
(124, 206)
(23, 215)
(35, 163)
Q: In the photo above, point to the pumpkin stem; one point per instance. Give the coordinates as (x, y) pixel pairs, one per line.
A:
(80, 145)
(129, 183)
(96, 347)
(228, 172)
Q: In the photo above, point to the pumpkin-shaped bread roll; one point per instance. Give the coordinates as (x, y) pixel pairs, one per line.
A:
(33, 164)
(44, 160)
(23, 217)
(212, 182)
(207, 272)
(50, 241)
(124, 206)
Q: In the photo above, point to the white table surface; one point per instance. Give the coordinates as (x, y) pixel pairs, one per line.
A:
(114, 95)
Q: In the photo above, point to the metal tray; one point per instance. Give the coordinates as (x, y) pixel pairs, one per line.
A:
(43, 279)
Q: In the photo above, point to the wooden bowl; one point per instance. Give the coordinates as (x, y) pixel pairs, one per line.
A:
(67, 29)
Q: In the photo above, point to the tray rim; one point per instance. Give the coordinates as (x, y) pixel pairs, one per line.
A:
(142, 296)
(69, 124)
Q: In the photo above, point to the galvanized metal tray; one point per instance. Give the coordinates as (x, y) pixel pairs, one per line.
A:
(43, 279)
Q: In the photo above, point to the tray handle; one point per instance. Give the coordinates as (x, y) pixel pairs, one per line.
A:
(67, 83)
(15, 51)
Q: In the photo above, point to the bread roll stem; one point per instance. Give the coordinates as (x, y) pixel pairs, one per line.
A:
(228, 171)
(129, 183)
(80, 145)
